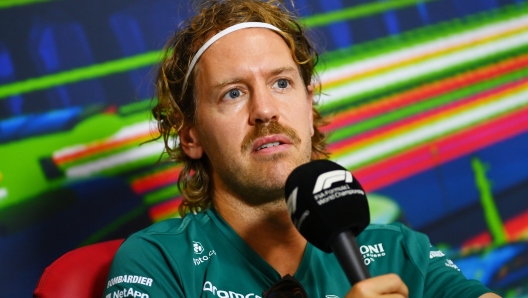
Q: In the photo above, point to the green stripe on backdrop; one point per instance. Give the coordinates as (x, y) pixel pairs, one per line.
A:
(418, 36)
(80, 74)
(10, 3)
(358, 11)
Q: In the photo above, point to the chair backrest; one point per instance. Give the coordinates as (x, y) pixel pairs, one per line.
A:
(80, 273)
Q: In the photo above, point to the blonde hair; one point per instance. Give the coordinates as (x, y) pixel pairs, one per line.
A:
(176, 104)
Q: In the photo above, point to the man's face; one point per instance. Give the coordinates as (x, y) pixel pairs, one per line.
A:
(254, 115)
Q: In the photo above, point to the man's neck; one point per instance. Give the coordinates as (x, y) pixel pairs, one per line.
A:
(267, 229)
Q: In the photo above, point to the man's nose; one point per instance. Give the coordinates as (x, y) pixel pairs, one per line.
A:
(264, 107)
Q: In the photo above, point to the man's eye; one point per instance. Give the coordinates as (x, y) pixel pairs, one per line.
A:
(282, 83)
(233, 93)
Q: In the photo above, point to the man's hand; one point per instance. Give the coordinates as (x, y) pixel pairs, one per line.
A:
(490, 295)
(386, 286)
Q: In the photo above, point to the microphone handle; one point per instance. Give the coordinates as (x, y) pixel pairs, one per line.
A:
(347, 252)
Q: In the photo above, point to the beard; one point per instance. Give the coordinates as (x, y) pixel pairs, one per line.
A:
(264, 181)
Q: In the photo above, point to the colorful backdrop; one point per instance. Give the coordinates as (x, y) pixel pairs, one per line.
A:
(429, 101)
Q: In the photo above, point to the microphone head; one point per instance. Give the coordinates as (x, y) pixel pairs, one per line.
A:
(324, 199)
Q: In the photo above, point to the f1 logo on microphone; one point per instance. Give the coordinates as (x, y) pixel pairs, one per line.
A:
(326, 180)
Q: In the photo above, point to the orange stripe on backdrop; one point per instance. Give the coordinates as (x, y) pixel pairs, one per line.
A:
(101, 147)
(427, 156)
(165, 209)
(425, 92)
(426, 55)
(516, 229)
(421, 120)
(156, 180)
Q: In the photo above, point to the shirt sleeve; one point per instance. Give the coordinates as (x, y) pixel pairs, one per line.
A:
(141, 268)
(444, 279)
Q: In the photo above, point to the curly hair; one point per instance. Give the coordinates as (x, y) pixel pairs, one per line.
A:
(176, 102)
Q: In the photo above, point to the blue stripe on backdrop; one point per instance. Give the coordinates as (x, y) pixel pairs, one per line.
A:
(142, 27)
(24, 126)
(422, 9)
(340, 32)
(51, 45)
(13, 104)
(391, 21)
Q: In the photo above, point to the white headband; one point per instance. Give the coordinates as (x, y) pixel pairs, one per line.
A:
(220, 35)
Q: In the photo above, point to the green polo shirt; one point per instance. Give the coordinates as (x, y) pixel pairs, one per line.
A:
(202, 256)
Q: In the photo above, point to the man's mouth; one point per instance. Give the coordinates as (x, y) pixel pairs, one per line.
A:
(268, 145)
(266, 136)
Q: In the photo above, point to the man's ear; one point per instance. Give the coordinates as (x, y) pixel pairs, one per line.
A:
(190, 142)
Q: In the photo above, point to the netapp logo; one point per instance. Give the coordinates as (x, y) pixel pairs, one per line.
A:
(127, 293)
(326, 180)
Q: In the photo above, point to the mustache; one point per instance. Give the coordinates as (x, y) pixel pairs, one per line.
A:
(273, 127)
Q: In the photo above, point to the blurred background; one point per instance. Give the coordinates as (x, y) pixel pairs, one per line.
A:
(429, 100)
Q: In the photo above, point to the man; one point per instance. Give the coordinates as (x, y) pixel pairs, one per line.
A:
(237, 89)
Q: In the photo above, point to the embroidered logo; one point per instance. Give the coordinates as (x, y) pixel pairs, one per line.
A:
(436, 254)
(372, 252)
(198, 248)
(450, 263)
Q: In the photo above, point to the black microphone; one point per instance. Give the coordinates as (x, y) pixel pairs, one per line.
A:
(329, 208)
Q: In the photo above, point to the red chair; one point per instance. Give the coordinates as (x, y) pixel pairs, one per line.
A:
(80, 273)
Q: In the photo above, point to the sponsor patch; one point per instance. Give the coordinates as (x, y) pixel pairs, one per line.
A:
(128, 293)
(450, 263)
(372, 252)
(436, 254)
(130, 279)
(204, 258)
(198, 248)
(209, 287)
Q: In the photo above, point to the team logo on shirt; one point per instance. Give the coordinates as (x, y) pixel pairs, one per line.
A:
(450, 263)
(209, 287)
(198, 248)
(436, 254)
(372, 252)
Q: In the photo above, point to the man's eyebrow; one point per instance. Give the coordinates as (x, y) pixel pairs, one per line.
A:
(273, 72)
(226, 82)
(282, 70)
